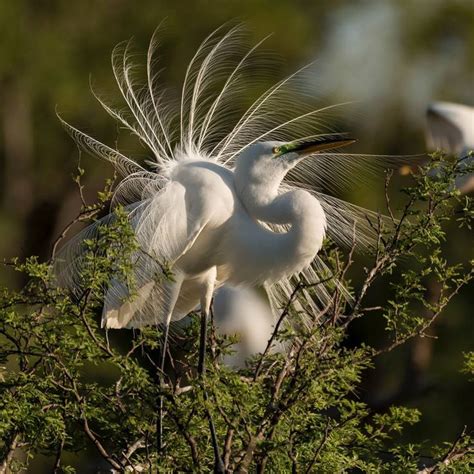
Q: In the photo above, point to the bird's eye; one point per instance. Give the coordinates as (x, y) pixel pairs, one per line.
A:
(276, 150)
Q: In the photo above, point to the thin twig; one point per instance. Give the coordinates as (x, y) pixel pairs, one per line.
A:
(299, 286)
(320, 447)
(453, 454)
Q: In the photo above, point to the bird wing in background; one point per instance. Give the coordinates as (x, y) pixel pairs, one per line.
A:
(450, 127)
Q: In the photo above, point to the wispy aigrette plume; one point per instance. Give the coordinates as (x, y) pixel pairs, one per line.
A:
(208, 124)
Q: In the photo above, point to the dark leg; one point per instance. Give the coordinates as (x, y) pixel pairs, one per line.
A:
(206, 298)
(174, 293)
(202, 345)
(218, 464)
(159, 421)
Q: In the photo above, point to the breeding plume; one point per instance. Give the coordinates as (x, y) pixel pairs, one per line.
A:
(229, 195)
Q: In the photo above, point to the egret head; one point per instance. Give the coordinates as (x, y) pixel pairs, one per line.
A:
(266, 163)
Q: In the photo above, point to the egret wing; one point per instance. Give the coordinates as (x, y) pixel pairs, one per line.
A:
(164, 232)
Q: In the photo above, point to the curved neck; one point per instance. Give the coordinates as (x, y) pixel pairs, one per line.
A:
(296, 248)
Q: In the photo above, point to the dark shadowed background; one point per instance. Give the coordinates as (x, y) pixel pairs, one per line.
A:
(390, 58)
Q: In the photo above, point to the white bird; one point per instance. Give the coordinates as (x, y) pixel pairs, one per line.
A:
(233, 198)
(244, 313)
(450, 127)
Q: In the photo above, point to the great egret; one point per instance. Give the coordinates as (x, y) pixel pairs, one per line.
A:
(243, 312)
(231, 198)
(451, 128)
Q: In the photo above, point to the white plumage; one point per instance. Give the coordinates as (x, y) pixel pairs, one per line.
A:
(245, 313)
(231, 198)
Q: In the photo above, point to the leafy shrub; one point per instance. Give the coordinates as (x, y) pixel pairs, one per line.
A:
(65, 387)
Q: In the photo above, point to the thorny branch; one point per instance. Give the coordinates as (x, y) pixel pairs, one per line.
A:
(455, 452)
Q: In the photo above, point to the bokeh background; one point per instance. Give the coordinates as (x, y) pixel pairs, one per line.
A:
(390, 58)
